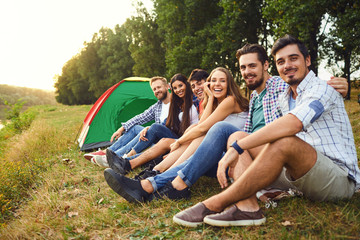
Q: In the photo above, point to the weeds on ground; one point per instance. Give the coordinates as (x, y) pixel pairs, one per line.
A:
(72, 201)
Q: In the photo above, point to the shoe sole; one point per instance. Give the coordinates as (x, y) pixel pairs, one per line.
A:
(93, 160)
(221, 223)
(112, 165)
(116, 186)
(186, 223)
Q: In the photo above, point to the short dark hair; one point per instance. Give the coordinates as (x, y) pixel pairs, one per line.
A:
(253, 48)
(289, 40)
(198, 75)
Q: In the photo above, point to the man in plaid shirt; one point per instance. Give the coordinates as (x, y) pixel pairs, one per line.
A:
(128, 134)
(310, 148)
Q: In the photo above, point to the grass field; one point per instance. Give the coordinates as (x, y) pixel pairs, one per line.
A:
(70, 199)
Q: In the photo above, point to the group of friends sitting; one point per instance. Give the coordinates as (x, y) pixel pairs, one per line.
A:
(293, 134)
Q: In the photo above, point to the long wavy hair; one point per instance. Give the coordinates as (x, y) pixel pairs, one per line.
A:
(232, 90)
(177, 105)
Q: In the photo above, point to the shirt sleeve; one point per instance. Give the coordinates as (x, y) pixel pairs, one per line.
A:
(314, 103)
(147, 116)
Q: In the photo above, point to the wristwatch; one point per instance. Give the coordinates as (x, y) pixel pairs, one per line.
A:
(237, 147)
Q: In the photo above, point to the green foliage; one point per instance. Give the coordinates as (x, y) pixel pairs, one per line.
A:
(145, 44)
(18, 122)
(178, 36)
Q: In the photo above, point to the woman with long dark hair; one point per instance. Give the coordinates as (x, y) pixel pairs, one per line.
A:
(182, 113)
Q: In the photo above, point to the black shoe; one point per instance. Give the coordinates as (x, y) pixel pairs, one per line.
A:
(170, 192)
(151, 164)
(146, 173)
(128, 188)
(118, 164)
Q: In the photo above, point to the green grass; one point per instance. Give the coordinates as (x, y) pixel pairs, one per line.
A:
(71, 200)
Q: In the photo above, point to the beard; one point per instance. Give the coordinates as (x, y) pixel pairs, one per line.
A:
(293, 81)
(162, 96)
(256, 84)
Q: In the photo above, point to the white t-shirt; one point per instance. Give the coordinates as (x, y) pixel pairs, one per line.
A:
(164, 111)
(194, 116)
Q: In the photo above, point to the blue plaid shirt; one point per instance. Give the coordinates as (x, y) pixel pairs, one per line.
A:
(274, 87)
(152, 113)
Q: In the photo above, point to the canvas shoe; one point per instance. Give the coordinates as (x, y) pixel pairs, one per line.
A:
(146, 173)
(128, 188)
(194, 216)
(88, 156)
(235, 217)
(100, 160)
(172, 193)
(118, 164)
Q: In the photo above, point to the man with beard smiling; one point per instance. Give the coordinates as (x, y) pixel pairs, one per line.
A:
(310, 148)
(128, 134)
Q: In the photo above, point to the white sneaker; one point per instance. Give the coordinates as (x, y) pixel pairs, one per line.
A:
(100, 160)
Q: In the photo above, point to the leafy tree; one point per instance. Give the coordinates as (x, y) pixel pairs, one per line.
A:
(343, 43)
(300, 18)
(182, 24)
(145, 44)
(239, 23)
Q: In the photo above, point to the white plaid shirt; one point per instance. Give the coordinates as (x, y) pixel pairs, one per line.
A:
(326, 125)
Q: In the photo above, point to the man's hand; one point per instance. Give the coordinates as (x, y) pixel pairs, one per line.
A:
(340, 84)
(143, 134)
(117, 134)
(228, 160)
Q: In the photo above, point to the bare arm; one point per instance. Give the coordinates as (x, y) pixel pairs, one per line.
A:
(287, 125)
(225, 108)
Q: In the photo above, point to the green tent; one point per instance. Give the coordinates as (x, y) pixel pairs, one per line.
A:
(118, 104)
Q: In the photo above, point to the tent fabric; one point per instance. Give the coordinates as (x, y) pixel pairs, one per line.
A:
(118, 104)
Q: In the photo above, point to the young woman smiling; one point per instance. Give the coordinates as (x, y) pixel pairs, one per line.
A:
(223, 102)
(182, 113)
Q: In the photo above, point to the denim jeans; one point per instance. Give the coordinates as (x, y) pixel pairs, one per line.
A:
(127, 141)
(154, 134)
(204, 161)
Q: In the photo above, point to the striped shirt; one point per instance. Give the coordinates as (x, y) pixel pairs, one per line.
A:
(326, 125)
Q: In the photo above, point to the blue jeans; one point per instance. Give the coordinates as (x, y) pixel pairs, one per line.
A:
(154, 134)
(204, 161)
(127, 141)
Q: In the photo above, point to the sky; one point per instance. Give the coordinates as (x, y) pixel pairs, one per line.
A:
(40, 36)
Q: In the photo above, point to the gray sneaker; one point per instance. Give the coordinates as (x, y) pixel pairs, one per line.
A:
(192, 217)
(235, 217)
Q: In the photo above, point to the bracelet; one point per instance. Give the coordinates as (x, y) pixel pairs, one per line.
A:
(237, 147)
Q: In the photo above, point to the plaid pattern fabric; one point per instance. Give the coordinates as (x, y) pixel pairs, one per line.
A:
(152, 113)
(274, 87)
(326, 125)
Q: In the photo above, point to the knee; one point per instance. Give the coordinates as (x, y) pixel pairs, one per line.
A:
(284, 145)
(237, 136)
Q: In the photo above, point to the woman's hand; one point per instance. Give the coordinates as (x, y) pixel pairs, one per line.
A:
(117, 134)
(207, 90)
(175, 145)
(143, 134)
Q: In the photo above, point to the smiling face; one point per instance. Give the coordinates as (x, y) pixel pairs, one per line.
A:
(218, 85)
(179, 88)
(252, 70)
(159, 89)
(291, 64)
(198, 88)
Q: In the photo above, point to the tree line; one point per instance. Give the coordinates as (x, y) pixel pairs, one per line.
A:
(180, 35)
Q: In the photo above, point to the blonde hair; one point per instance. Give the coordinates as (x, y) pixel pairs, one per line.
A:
(153, 79)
